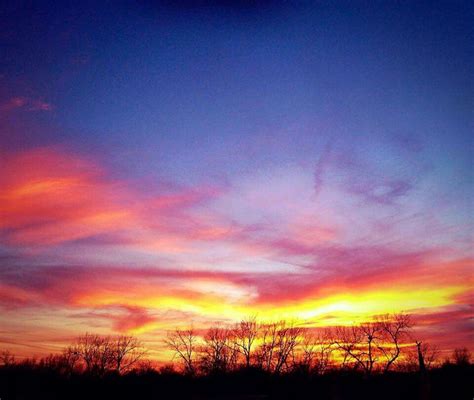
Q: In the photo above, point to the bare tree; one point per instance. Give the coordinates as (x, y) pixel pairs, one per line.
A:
(184, 345)
(288, 338)
(269, 339)
(71, 359)
(144, 366)
(358, 343)
(233, 350)
(347, 340)
(7, 358)
(126, 352)
(219, 353)
(424, 356)
(316, 351)
(392, 330)
(369, 330)
(245, 333)
(461, 356)
(96, 352)
(279, 341)
(52, 362)
(431, 354)
(308, 351)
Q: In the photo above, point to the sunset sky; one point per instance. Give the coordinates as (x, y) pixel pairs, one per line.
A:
(168, 165)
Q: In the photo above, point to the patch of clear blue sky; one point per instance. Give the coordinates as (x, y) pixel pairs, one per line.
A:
(187, 90)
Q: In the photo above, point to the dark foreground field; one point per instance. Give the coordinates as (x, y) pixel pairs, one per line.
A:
(444, 383)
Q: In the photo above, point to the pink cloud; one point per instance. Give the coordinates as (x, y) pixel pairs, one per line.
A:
(25, 103)
(50, 197)
(135, 317)
(55, 199)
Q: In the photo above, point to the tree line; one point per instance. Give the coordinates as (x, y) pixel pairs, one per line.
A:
(384, 344)
(284, 346)
(91, 354)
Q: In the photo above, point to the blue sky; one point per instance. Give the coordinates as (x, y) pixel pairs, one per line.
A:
(329, 138)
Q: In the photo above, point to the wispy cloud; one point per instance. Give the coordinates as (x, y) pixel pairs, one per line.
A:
(117, 253)
(50, 197)
(26, 104)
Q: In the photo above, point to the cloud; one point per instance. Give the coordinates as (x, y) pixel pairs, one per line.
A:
(448, 328)
(123, 319)
(321, 165)
(373, 170)
(384, 191)
(341, 272)
(373, 184)
(25, 103)
(79, 286)
(38, 105)
(13, 103)
(133, 255)
(418, 282)
(50, 197)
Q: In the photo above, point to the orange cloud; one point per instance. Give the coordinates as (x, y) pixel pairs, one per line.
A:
(216, 268)
(49, 197)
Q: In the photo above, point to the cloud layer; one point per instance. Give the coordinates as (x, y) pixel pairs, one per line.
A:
(125, 256)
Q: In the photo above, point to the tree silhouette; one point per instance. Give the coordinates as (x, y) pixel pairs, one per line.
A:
(356, 343)
(219, 352)
(7, 358)
(279, 341)
(126, 352)
(461, 356)
(184, 345)
(97, 353)
(316, 350)
(244, 335)
(393, 329)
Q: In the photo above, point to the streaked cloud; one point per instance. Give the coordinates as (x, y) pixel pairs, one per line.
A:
(26, 104)
(261, 244)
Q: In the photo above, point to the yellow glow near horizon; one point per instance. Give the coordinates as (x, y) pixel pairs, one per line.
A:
(338, 309)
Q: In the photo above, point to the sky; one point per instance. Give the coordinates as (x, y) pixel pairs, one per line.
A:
(167, 163)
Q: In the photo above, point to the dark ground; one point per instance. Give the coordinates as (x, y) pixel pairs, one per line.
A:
(444, 383)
